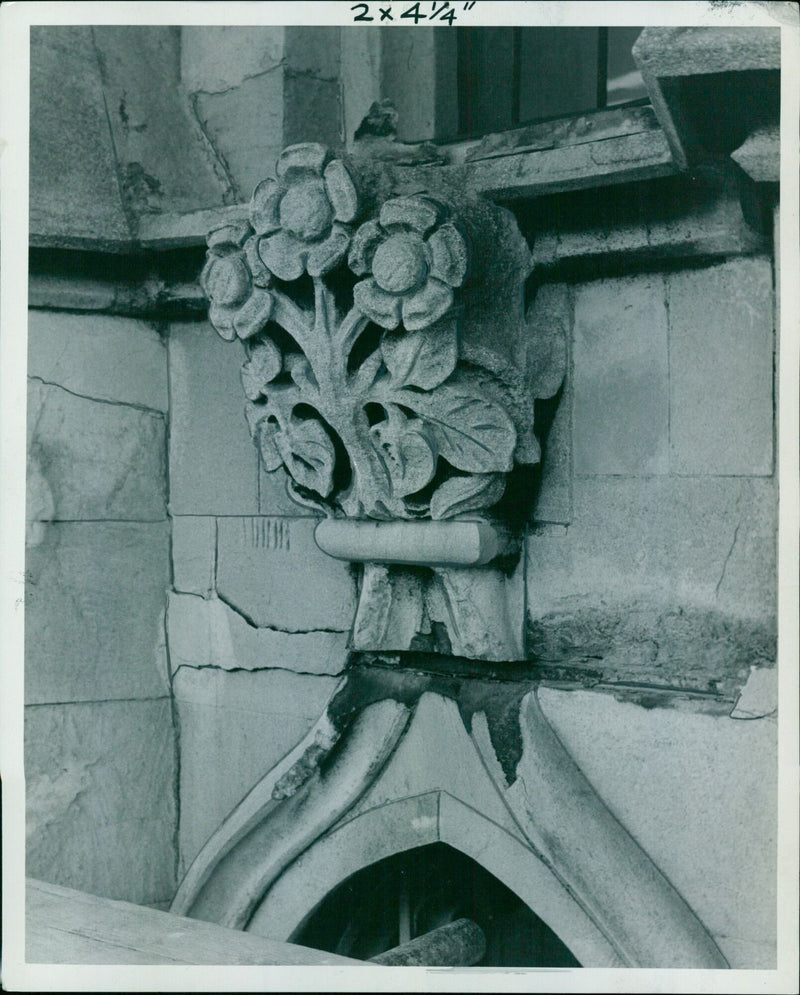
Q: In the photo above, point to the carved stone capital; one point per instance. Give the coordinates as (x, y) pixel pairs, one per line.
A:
(385, 336)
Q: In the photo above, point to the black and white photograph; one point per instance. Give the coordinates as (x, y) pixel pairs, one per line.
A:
(400, 487)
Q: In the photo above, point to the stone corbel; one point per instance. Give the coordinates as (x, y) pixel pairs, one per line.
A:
(387, 371)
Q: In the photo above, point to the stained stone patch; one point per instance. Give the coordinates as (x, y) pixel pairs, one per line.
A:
(100, 798)
(233, 728)
(99, 460)
(95, 594)
(99, 356)
(272, 572)
(207, 633)
(724, 801)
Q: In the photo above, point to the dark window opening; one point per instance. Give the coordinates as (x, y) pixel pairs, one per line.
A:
(513, 76)
(411, 893)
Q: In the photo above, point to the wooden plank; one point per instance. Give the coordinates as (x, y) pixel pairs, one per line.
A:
(575, 167)
(456, 944)
(595, 127)
(64, 926)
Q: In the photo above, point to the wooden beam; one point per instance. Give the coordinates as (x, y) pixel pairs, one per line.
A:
(458, 944)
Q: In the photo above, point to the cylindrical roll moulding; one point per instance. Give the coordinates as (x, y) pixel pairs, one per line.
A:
(433, 544)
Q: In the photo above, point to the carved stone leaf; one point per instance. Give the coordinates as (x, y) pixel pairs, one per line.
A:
(305, 498)
(460, 494)
(262, 367)
(308, 453)
(424, 358)
(471, 432)
(263, 430)
(406, 453)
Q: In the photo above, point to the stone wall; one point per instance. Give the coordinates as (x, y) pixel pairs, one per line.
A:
(99, 744)
(650, 579)
(258, 617)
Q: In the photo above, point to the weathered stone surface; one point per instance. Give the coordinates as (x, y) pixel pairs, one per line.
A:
(312, 109)
(100, 460)
(164, 160)
(213, 465)
(313, 50)
(101, 811)
(621, 391)
(207, 633)
(215, 58)
(721, 353)
(234, 728)
(271, 571)
(70, 137)
(94, 604)
(194, 553)
(108, 358)
(707, 49)
(688, 787)
(641, 645)
(227, 118)
(706, 543)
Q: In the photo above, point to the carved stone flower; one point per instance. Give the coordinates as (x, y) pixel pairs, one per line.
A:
(235, 280)
(302, 217)
(414, 264)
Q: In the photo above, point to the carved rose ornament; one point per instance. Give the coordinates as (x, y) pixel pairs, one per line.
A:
(350, 322)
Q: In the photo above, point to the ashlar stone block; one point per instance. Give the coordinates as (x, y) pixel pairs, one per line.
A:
(100, 798)
(100, 460)
(207, 633)
(99, 356)
(621, 387)
(234, 727)
(94, 606)
(215, 58)
(213, 463)
(721, 354)
(194, 552)
(272, 572)
(703, 542)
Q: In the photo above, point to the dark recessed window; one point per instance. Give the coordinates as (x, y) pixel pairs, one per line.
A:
(513, 76)
(412, 893)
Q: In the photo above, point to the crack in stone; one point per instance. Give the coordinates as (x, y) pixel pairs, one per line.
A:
(99, 400)
(255, 670)
(270, 628)
(727, 558)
